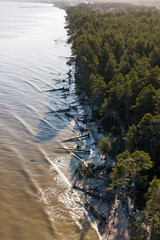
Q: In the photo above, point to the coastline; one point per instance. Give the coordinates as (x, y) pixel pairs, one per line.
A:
(110, 210)
(115, 213)
(110, 214)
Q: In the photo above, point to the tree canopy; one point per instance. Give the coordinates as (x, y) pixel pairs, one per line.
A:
(117, 62)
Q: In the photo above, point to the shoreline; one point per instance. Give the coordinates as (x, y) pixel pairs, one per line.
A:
(116, 217)
(113, 211)
(110, 213)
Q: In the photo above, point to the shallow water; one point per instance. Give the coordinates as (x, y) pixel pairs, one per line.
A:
(36, 196)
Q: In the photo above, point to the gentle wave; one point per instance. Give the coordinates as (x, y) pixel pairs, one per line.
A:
(37, 198)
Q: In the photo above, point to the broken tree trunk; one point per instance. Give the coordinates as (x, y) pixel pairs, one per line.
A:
(76, 154)
(74, 149)
(76, 138)
(90, 193)
(94, 209)
(78, 125)
(54, 89)
(57, 89)
(63, 110)
(60, 110)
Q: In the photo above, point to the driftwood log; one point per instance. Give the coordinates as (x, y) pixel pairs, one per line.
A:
(76, 138)
(57, 89)
(73, 150)
(94, 209)
(91, 193)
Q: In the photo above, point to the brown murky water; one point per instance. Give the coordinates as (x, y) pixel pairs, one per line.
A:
(36, 196)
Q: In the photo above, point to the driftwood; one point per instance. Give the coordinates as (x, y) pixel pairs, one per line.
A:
(94, 209)
(65, 89)
(82, 150)
(57, 89)
(63, 110)
(90, 193)
(76, 154)
(53, 112)
(76, 138)
(79, 118)
(73, 102)
(69, 115)
(37, 160)
(90, 205)
(56, 113)
(64, 96)
(54, 89)
(74, 150)
(73, 107)
(79, 126)
(71, 93)
(60, 110)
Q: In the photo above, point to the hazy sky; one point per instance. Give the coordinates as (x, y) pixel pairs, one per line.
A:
(52, 1)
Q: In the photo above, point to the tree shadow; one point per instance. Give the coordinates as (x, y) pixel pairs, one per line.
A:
(55, 119)
(49, 127)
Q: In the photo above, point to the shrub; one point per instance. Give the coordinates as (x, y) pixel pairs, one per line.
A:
(105, 145)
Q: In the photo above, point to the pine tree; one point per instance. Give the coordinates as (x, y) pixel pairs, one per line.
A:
(152, 211)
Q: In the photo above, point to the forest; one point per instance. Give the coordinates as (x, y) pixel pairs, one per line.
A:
(117, 63)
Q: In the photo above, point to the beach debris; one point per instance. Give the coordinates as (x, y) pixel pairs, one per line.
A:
(57, 89)
(73, 149)
(77, 138)
(95, 210)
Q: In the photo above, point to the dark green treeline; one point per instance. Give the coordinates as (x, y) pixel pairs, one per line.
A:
(117, 57)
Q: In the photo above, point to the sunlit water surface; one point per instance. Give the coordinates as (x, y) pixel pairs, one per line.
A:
(36, 196)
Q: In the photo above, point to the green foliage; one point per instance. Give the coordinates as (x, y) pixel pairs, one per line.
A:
(153, 196)
(155, 57)
(135, 162)
(132, 138)
(151, 217)
(98, 86)
(148, 136)
(103, 109)
(110, 69)
(136, 230)
(157, 99)
(153, 77)
(145, 136)
(145, 102)
(117, 63)
(152, 211)
(129, 167)
(119, 174)
(105, 145)
(85, 170)
(102, 53)
(140, 161)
